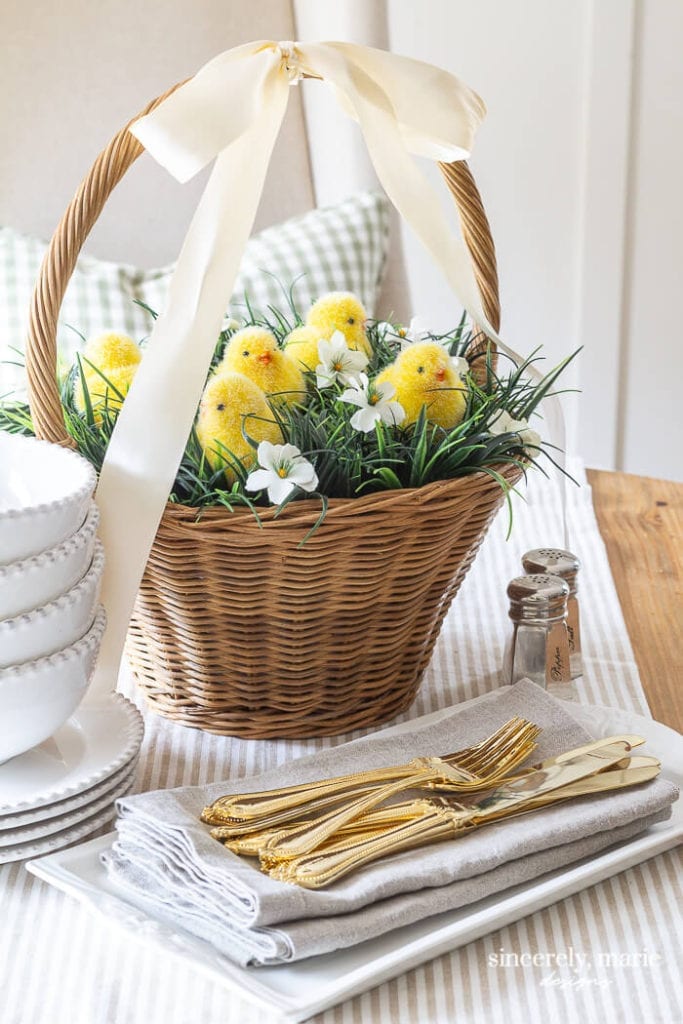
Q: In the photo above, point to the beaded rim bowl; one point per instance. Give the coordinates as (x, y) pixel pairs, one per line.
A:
(37, 697)
(45, 491)
(54, 626)
(39, 579)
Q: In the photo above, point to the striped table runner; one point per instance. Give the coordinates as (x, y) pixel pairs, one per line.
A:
(59, 965)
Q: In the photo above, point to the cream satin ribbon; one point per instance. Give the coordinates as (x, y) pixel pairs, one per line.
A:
(232, 111)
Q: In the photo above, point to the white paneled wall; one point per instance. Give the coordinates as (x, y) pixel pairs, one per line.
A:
(526, 61)
(650, 439)
(580, 163)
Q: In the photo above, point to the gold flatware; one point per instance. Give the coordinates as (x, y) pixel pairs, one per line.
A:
(375, 824)
(427, 772)
(446, 818)
(630, 771)
(430, 773)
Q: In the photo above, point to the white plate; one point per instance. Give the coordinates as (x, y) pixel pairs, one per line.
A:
(93, 744)
(40, 829)
(300, 990)
(62, 807)
(65, 837)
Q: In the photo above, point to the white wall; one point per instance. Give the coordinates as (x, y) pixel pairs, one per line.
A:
(651, 410)
(525, 59)
(580, 163)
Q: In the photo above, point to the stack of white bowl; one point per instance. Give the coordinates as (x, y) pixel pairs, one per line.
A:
(51, 566)
(63, 763)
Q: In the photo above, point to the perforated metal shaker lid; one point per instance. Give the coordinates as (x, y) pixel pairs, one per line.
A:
(539, 597)
(553, 561)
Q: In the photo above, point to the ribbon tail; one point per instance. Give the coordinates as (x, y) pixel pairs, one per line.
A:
(410, 192)
(156, 419)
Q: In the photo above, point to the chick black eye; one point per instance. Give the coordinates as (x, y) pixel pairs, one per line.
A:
(350, 320)
(245, 353)
(420, 369)
(220, 407)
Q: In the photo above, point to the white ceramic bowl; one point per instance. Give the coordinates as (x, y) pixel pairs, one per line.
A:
(45, 491)
(37, 580)
(56, 625)
(38, 697)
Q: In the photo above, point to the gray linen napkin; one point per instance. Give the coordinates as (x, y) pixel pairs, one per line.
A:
(167, 861)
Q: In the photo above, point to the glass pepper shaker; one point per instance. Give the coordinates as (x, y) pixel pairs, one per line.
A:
(562, 563)
(540, 645)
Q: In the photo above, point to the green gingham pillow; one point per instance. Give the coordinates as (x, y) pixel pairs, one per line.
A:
(340, 247)
(99, 297)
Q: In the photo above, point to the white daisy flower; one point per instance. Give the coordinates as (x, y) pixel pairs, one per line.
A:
(229, 323)
(383, 328)
(374, 404)
(504, 424)
(282, 468)
(417, 330)
(338, 363)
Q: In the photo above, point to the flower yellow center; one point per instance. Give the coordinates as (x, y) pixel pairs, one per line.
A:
(338, 366)
(402, 332)
(374, 399)
(282, 472)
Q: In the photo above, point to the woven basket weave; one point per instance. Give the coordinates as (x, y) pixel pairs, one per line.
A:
(239, 630)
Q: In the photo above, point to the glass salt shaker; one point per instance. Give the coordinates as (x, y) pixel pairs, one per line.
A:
(562, 563)
(540, 645)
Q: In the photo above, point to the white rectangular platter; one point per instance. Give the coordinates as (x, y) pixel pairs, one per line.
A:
(297, 991)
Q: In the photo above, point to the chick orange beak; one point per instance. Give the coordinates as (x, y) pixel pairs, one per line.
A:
(265, 358)
(440, 373)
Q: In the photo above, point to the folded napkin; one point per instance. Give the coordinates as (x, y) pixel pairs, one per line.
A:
(167, 862)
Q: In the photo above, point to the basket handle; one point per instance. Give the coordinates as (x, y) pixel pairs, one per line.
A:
(86, 206)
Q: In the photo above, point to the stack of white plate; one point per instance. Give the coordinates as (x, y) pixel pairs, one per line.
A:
(64, 790)
(51, 627)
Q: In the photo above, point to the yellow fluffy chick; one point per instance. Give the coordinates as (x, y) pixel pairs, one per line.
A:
(227, 398)
(341, 311)
(423, 374)
(117, 357)
(254, 352)
(301, 346)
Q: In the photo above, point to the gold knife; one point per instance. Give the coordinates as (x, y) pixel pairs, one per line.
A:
(639, 769)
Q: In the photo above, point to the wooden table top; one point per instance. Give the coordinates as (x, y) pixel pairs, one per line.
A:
(641, 522)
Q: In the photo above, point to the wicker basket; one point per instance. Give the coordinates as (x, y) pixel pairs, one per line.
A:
(239, 630)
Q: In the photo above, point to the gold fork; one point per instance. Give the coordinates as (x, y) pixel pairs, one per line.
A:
(429, 772)
(247, 811)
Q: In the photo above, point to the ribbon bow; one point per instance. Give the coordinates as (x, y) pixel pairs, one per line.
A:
(236, 103)
(232, 111)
